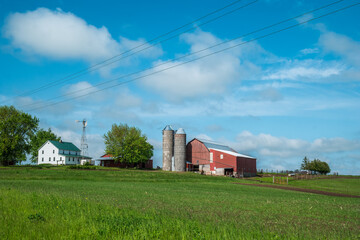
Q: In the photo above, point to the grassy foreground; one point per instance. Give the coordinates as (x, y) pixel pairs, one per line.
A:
(59, 203)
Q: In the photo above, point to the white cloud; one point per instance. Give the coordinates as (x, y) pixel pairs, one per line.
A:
(307, 51)
(341, 45)
(204, 137)
(302, 72)
(214, 128)
(151, 52)
(280, 153)
(269, 145)
(208, 76)
(125, 99)
(83, 91)
(62, 35)
(29, 104)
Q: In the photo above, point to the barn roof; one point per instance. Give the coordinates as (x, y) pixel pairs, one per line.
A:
(211, 144)
(236, 154)
(65, 145)
(222, 148)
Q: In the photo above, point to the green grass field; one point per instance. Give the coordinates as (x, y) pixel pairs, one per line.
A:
(60, 203)
(341, 184)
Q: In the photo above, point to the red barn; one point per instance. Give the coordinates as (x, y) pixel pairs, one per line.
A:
(107, 160)
(214, 158)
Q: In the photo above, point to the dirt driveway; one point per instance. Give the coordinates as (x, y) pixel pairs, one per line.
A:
(301, 190)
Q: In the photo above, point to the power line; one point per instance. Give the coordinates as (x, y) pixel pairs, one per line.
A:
(108, 61)
(207, 55)
(190, 54)
(195, 59)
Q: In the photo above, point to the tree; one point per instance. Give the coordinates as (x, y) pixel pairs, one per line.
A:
(316, 166)
(38, 139)
(323, 167)
(305, 164)
(16, 128)
(127, 144)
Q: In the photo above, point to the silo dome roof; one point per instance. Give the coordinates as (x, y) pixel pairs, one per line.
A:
(168, 128)
(180, 131)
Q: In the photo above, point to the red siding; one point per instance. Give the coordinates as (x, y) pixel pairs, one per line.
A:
(228, 161)
(197, 153)
(246, 165)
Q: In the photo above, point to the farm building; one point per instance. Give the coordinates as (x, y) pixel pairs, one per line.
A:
(59, 152)
(214, 158)
(107, 160)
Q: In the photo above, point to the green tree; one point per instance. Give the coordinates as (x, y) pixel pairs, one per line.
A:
(38, 139)
(315, 166)
(305, 164)
(16, 128)
(127, 144)
(323, 167)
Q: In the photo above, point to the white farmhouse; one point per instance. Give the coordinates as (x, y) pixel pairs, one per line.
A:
(59, 152)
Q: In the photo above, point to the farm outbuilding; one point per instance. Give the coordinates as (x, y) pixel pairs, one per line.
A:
(215, 158)
(107, 160)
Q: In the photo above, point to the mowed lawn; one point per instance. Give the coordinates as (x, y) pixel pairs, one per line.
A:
(60, 203)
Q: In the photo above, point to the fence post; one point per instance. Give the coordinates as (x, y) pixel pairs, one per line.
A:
(273, 179)
(287, 180)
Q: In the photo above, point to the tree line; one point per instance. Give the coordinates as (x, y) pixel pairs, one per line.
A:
(20, 135)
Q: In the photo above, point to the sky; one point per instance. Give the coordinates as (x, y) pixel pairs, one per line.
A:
(275, 94)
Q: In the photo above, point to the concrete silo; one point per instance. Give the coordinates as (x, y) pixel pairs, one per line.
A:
(180, 150)
(168, 147)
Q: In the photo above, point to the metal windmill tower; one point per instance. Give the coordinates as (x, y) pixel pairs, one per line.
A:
(84, 146)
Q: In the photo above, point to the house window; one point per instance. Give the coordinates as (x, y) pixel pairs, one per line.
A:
(49, 159)
(211, 157)
(54, 159)
(73, 159)
(53, 151)
(42, 151)
(221, 156)
(42, 159)
(60, 158)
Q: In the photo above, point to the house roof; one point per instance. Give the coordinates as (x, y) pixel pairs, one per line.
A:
(65, 146)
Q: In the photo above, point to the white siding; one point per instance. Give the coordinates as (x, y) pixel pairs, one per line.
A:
(48, 152)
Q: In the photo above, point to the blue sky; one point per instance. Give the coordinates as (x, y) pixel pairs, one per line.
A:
(280, 98)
